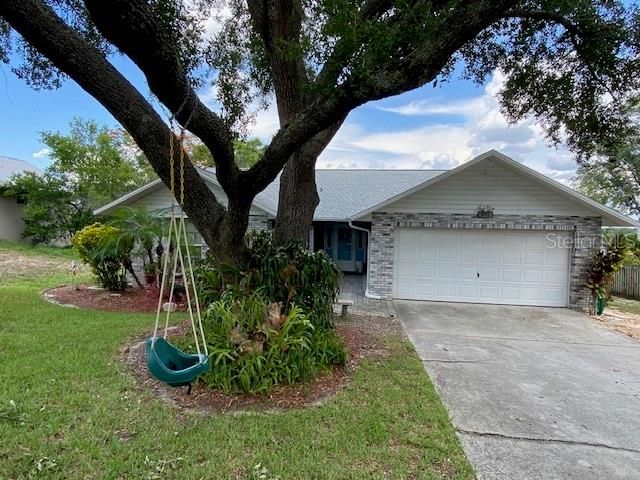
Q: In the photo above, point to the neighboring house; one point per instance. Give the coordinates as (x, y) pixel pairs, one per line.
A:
(11, 223)
(488, 231)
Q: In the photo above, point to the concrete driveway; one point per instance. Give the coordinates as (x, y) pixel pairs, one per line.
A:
(535, 393)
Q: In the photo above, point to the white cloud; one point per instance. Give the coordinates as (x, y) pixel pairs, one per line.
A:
(467, 107)
(479, 126)
(42, 153)
(265, 123)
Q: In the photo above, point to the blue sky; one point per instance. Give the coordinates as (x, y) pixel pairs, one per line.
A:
(428, 128)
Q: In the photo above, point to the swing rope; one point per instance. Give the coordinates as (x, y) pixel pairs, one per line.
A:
(178, 230)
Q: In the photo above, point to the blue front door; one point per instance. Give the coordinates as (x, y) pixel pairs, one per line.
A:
(345, 257)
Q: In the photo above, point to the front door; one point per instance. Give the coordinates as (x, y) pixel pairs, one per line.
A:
(345, 257)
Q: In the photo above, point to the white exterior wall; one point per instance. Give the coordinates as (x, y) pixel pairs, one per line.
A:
(11, 223)
(161, 198)
(488, 183)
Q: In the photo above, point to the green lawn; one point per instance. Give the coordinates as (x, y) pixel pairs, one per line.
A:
(69, 409)
(625, 305)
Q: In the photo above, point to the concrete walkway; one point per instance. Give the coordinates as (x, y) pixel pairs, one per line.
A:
(353, 287)
(535, 393)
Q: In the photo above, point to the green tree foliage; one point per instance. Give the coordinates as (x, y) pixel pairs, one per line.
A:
(52, 210)
(96, 160)
(91, 165)
(247, 152)
(613, 177)
(572, 65)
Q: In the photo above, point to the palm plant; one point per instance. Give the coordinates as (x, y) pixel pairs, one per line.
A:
(145, 228)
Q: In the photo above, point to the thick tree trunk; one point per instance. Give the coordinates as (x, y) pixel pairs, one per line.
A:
(298, 196)
(298, 199)
(228, 246)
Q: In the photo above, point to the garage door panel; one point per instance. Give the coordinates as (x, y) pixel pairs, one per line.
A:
(535, 257)
(468, 255)
(510, 257)
(556, 256)
(532, 276)
(467, 291)
(511, 276)
(558, 277)
(490, 292)
(489, 256)
(467, 273)
(448, 254)
(446, 271)
(514, 267)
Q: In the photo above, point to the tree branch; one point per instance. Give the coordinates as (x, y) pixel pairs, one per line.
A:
(132, 26)
(399, 75)
(575, 35)
(39, 25)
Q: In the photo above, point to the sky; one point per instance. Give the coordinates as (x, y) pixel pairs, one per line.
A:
(427, 128)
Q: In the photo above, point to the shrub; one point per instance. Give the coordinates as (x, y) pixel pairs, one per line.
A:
(254, 345)
(103, 248)
(271, 323)
(289, 274)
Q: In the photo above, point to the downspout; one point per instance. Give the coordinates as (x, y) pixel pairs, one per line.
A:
(366, 291)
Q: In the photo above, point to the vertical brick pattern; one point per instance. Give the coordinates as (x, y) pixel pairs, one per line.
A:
(586, 242)
(585, 231)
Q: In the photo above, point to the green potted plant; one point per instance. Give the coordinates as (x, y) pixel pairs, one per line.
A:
(150, 271)
(605, 263)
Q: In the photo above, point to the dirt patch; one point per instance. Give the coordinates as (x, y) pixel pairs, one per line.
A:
(363, 337)
(133, 299)
(622, 322)
(18, 265)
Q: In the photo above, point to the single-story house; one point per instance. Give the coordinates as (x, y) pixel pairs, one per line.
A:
(489, 231)
(11, 223)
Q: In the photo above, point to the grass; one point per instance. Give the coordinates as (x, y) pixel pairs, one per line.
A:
(69, 409)
(38, 250)
(625, 305)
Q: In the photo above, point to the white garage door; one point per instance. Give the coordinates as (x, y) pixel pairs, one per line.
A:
(505, 267)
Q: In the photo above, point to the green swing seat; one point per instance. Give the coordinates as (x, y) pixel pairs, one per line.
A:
(172, 366)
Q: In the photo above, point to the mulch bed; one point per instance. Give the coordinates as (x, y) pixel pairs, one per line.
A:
(362, 336)
(356, 333)
(622, 322)
(133, 299)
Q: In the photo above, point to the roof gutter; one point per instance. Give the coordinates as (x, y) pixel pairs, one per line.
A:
(368, 232)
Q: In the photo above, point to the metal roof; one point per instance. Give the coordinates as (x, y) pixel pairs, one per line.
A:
(12, 166)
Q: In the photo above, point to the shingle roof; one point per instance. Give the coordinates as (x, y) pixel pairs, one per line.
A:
(343, 193)
(12, 166)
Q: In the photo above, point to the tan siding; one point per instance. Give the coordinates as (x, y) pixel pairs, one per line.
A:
(11, 223)
(161, 198)
(488, 183)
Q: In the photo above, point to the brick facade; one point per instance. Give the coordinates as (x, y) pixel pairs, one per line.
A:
(585, 233)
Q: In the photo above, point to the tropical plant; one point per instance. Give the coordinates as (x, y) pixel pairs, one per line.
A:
(606, 262)
(103, 248)
(572, 65)
(289, 274)
(254, 345)
(145, 228)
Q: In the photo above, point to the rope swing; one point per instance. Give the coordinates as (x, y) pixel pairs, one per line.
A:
(165, 361)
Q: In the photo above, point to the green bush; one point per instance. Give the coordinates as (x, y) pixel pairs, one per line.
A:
(289, 274)
(104, 248)
(254, 345)
(271, 323)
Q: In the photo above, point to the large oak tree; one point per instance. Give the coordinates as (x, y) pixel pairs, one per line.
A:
(571, 64)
